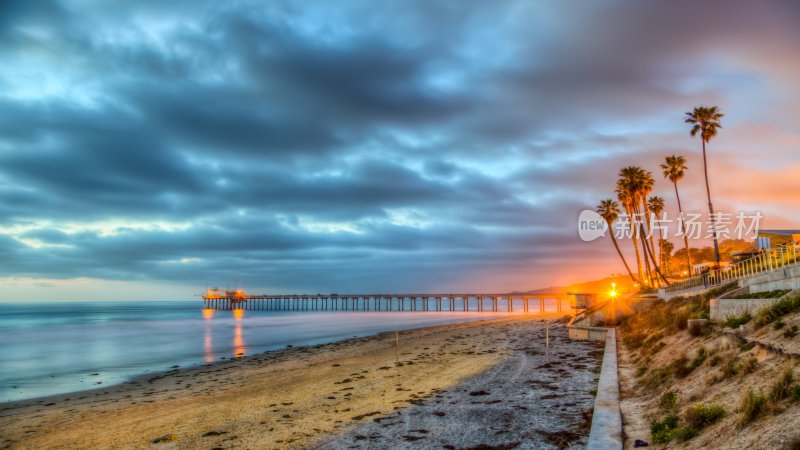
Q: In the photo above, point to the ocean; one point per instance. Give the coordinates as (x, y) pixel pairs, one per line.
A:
(60, 347)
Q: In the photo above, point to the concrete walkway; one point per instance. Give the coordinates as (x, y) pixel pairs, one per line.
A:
(606, 433)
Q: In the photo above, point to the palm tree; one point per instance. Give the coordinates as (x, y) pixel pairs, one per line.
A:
(673, 169)
(632, 187)
(626, 199)
(609, 210)
(705, 120)
(656, 206)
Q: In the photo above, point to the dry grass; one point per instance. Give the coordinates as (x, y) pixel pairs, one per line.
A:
(752, 406)
(719, 384)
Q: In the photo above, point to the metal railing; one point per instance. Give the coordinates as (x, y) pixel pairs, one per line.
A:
(766, 261)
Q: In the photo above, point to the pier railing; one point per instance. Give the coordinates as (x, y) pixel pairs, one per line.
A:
(766, 261)
(528, 303)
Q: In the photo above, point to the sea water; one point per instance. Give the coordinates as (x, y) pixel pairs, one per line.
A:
(59, 347)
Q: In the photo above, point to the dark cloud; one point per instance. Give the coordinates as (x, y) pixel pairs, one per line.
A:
(438, 145)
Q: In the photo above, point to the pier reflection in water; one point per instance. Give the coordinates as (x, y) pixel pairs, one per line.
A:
(208, 349)
(238, 340)
(238, 335)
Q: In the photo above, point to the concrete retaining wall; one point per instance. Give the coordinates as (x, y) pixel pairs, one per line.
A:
(787, 278)
(578, 333)
(606, 433)
(581, 330)
(722, 308)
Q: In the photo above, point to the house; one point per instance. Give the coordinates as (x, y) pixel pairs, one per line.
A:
(743, 255)
(703, 267)
(773, 238)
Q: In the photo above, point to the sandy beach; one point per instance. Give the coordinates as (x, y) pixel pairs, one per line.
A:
(452, 386)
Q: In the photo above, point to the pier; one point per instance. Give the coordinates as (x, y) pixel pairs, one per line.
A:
(529, 303)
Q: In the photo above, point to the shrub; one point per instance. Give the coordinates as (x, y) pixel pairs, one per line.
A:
(796, 393)
(749, 364)
(698, 360)
(679, 320)
(782, 387)
(698, 329)
(779, 324)
(746, 346)
(777, 310)
(794, 444)
(701, 415)
(790, 332)
(731, 367)
(715, 360)
(668, 401)
(667, 429)
(682, 434)
(680, 367)
(735, 321)
(752, 406)
(661, 431)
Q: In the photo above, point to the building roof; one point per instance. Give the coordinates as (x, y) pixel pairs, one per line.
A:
(780, 232)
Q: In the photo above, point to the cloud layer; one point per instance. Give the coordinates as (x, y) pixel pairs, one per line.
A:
(304, 147)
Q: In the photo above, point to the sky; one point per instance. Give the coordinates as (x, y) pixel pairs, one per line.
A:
(151, 149)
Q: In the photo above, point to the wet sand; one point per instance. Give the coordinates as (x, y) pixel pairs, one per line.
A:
(322, 395)
(531, 399)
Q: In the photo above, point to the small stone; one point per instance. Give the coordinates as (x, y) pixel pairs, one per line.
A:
(166, 438)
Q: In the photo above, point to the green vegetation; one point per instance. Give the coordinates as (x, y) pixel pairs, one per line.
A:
(705, 122)
(736, 321)
(794, 443)
(770, 294)
(682, 434)
(796, 393)
(752, 406)
(698, 329)
(701, 415)
(665, 430)
(731, 367)
(698, 360)
(673, 169)
(609, 211)
(790, 332)
(749, 364)
(746, 346)
(782, 307)
(782, 387)
(668, 401)
(643, 334)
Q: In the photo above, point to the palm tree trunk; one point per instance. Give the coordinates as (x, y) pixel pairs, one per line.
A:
(621, 256)
(655, 266)
(683, 232)
(642, 236)
(710, 206)
(649, 224)
(635, 244)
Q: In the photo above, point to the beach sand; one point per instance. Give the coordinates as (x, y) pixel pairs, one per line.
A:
(464, 384)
